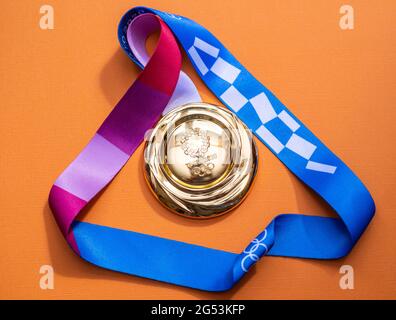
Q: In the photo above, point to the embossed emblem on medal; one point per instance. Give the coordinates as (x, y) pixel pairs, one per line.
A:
(200, 160)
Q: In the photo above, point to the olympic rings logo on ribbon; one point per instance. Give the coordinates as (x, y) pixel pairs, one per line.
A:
(250, 251)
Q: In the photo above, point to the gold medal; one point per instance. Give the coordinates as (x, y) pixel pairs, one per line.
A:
(200, 160)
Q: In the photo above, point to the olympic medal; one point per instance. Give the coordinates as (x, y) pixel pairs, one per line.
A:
(200, 160)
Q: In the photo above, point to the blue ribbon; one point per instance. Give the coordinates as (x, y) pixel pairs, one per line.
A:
(291, 235)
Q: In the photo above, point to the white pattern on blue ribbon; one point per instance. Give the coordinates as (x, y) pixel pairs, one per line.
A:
(256, 249)
(261, 104)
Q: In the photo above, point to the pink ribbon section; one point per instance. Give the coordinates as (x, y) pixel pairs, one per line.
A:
(122, 131)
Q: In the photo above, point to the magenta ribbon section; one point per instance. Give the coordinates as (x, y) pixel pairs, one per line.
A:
(121, 133)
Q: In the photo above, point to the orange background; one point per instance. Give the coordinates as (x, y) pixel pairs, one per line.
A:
(57, 86)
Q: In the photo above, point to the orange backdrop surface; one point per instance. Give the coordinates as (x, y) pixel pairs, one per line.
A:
(57, 86)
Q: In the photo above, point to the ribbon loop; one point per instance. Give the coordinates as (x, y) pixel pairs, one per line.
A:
(162, 86)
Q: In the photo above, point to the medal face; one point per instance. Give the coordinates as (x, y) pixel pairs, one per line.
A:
(200, 160)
